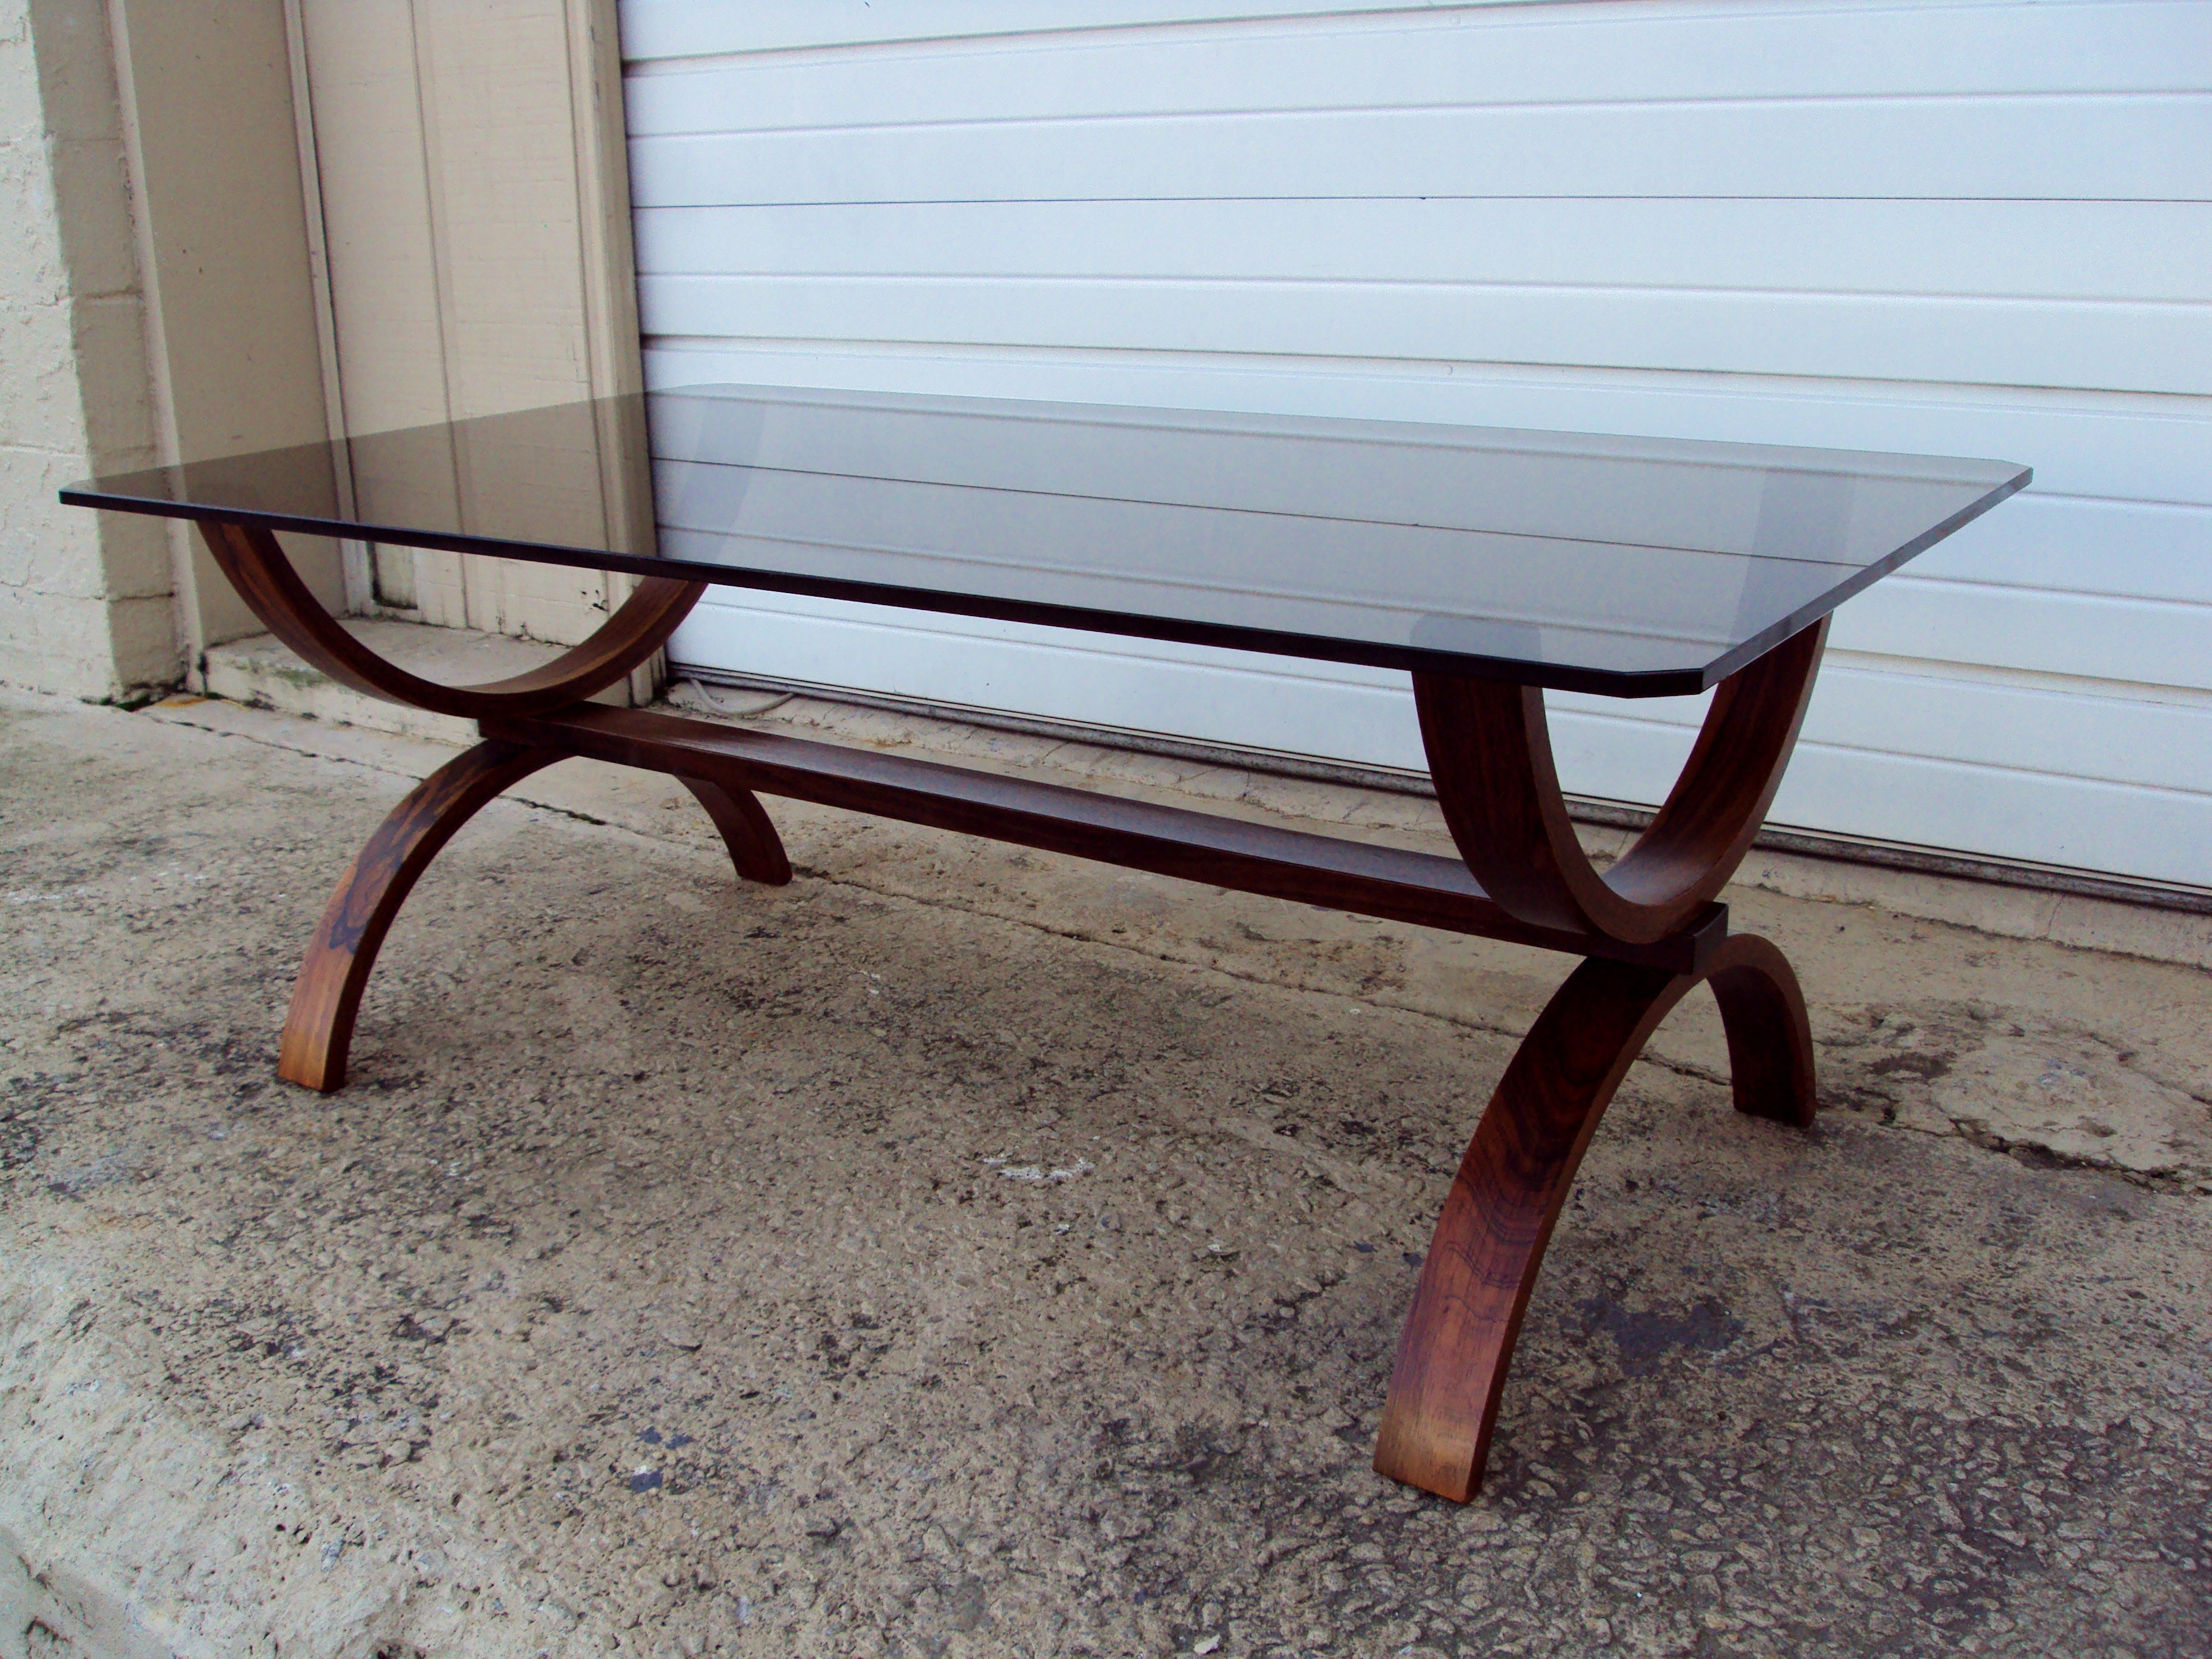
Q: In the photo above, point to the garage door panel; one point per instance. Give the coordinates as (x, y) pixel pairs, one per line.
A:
(2131, 830)
(2087, 636)
(2049, 818)
(2016, 723)
(2051, 728)
(2083, 544)
(1994, 798)
(2153, 251)
(1362, 715)
(1468, 56)
(1977, 229)
(1294, 499)
(2146, 147)
(1337, 711)
(869, 529)
(2094, 345)
(2131, 451)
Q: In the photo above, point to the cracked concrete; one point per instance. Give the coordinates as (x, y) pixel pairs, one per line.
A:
(966, 1251)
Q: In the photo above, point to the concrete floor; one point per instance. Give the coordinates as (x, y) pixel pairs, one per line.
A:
(965, 1251)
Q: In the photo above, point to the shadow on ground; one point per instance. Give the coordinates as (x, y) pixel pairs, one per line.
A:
(692, 1269)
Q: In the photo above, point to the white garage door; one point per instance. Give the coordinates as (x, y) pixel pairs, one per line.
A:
(1976, 229)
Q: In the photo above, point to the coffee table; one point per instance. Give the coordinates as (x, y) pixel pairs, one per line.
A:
(1487, 564)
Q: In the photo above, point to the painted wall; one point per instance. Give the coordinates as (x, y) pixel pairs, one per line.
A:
(172, 292)
(1981, 228)
(84, 603)
(212, 143)
(157, 301)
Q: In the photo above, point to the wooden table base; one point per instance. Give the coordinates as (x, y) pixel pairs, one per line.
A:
(1498, 1216)
(1648, 925)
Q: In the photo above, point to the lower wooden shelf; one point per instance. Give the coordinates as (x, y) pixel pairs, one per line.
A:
(1390, 882)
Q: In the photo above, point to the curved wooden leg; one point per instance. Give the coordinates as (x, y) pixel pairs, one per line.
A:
(327, 994)
(755, 847)
(255, 563)
(1770, 1040)
(1489, 1242)
(1489, 745)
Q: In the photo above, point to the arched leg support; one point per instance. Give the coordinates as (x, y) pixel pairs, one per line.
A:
(327, 994)
(1490, 752)
(755, 847)
(256, 564)
(1489, 1242)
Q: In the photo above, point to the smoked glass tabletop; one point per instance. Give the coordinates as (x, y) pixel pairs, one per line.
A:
(1636, 567)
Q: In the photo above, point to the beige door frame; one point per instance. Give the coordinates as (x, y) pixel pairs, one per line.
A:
(354, 215)
(470, 192)
(220, 224)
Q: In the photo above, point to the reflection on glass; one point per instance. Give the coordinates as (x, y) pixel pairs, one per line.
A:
(1632, 565)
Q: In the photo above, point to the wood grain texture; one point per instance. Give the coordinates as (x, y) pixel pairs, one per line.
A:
(257, 566)
(1490, 754)
(319, 1029)
(1476, 1285)
(755, 847)
(326, 997)
(1323, 869)
(1473, 1291)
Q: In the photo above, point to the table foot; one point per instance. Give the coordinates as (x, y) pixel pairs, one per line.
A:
(327, 994)
(755, 847)
(326, 997)
(1489, 1242)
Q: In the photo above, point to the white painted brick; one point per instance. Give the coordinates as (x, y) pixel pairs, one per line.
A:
(85, 599)
(56, 644)
(31, 268)
(40, 405)
(45, 547)
(142, 632)
(21, 119)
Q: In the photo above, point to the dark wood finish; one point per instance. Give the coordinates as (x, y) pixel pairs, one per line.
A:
(755, 847)
(319, 1030)
(1490, 752)
(1649, 926)
(1498, 1216)
(264, 579)
(1253, 858)
(326, 997)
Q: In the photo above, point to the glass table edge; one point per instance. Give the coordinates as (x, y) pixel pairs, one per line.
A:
(1760, 644)
(1626, 684)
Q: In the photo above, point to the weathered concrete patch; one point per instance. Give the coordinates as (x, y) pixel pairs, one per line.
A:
(657, 1284)
(2065, 1090)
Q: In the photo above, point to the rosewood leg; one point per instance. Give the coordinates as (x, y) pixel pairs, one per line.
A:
(327, 994)
(255, 563)
(326, 997)
(1489, 750)
(1489, 1242)
(755, 847)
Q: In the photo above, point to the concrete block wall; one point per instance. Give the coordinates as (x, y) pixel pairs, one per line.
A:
(86, 600)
